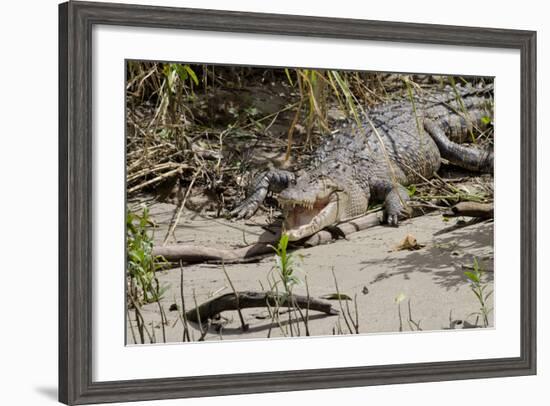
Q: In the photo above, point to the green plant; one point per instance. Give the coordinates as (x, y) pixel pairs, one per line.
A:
(182, 72)
(411, 190)
(178, 79)
(141, 263)
(285, 264)
(479, 288)
(317, 88)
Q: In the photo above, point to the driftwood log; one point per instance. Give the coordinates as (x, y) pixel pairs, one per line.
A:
(471, 209)
(189, 253)
(249, 299)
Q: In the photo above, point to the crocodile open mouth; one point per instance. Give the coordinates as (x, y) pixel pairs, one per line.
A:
(298, 214)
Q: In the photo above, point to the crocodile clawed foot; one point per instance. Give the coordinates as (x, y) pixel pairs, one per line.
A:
(243, 211)
(392, 220)
(396, 206)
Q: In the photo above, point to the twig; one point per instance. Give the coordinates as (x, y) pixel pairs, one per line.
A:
(191, 317)
(142, 321)
(183, 310)
(244, 326)
(400, 317)
(143, 172)
(162, 319)
(130, 323)
(294, 121)
(351, 318)
(205, 331)
(180, 209)
(340, 301)
(307, 308)
(411, 321)
(157, 179)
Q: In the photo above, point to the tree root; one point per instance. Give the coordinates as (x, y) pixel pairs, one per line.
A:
(250, 299)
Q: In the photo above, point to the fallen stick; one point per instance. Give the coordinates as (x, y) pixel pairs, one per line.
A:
(197, 253)
(471, 209)
(250, 299)
(157, 179)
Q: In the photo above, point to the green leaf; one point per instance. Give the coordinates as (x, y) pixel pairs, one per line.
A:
(283, 243)
(336, 296)
(488, 295)
(472, 276)
(192, 74)
(476, 266)
(181, 72)
(478, 295)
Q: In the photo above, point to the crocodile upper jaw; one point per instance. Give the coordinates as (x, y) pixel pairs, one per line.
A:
(305, 219)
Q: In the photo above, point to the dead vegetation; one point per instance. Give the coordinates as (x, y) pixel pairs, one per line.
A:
(196, 133)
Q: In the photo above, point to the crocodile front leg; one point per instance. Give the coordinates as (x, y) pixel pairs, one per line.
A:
(274, 180)
(396, 205)
(395, 197)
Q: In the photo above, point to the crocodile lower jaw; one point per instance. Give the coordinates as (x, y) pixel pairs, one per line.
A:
(302, 222)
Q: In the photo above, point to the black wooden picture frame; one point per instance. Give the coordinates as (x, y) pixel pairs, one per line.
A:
(76, 20)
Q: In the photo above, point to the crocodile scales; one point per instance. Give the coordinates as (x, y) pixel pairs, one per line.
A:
(395, 145)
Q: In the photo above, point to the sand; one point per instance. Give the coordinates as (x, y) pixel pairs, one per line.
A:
(367, 265)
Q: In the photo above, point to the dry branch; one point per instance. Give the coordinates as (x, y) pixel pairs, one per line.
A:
(196, 253)
(250, 299)
(157, 179)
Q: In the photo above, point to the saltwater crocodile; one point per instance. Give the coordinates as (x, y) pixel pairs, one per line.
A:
(397, 144)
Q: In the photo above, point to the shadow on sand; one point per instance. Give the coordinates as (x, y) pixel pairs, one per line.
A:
(445, 257)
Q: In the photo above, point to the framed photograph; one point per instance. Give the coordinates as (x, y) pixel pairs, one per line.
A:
(259, 202)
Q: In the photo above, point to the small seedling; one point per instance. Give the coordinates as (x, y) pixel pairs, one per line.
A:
(479, 288)
(286, 264)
